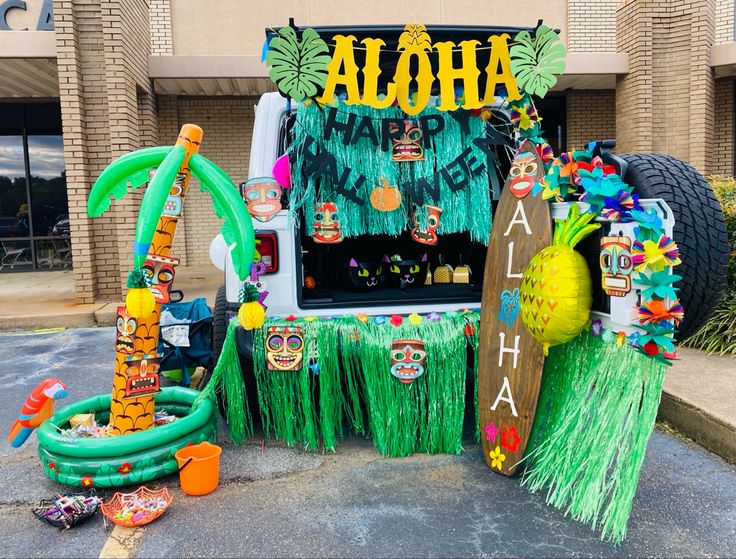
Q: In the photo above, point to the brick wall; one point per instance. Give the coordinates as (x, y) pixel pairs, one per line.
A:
(227, 123)
(723, 159)
(107, 110)
(724, 21)
(591, 115)
(160, 22)
(666, 101)
(591, 25)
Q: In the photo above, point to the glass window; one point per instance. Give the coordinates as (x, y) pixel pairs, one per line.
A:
(48, 185)
(14, 221)
(34, 211)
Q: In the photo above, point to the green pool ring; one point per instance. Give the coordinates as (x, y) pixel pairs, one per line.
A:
(127, 459)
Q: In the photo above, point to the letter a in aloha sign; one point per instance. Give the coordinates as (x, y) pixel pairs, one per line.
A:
(510, 360)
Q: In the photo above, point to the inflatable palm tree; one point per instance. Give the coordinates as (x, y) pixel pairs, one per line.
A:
(136, 378)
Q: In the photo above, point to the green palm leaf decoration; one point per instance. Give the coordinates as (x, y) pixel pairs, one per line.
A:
(537, 61)
(237, 228)
(130, 168)
(299, 69)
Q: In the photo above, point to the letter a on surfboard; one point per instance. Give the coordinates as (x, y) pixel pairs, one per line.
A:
(510, 360)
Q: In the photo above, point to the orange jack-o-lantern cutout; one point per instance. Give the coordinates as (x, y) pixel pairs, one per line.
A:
(385, 198)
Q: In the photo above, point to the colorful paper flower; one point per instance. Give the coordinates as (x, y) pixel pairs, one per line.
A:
(656, 311)
(87, 481)
(545, 152)
(125, 468)
(396, 319)
(598, 186)
(650, 224)
(290, 318)
(53, 468)
(510, 438)
(655, 256)
(621, 338)
(596, 327)
(661, 333)
(497, 458)
(380, 319)
(415, 319)
(491, 432)
(618, 208)
(362, 317)
(310, 318)
(660, 285)
(434, 315)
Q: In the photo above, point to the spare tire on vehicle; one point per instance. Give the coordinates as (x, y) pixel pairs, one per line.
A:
(699, 231)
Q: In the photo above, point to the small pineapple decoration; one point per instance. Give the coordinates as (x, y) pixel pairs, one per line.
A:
(556, 289)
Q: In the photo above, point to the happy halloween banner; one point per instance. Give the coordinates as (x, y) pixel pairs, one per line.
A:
(382, 171)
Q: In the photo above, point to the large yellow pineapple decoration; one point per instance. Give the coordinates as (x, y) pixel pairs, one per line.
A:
(556, 289)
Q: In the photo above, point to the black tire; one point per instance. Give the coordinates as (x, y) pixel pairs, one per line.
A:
(219, 323)
(699, 231)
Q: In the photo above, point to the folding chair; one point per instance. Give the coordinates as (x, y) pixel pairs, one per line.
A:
(185, 339)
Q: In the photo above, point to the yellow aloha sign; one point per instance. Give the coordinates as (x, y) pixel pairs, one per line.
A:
(415, 45)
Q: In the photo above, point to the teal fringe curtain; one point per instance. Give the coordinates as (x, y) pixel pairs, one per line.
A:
(366, 159)
(597, 408)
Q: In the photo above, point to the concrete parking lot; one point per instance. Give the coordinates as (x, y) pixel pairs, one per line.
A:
(275, 501)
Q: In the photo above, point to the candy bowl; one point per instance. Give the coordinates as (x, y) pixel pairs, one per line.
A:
(137, 508)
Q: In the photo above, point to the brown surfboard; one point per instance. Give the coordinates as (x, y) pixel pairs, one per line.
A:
(510, 360)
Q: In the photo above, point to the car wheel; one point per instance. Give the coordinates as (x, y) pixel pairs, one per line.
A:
(699, 231)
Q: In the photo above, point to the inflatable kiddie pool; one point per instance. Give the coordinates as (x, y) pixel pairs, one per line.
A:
(126, 459)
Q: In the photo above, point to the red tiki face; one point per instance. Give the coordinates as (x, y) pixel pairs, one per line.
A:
(160, 270)
(524, 173)
(409, 146)
(427, 236)
(142, 373)
(407, 360)
(326, 224)
(262, 197)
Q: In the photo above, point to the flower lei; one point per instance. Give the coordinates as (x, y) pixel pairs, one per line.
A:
(581, 175)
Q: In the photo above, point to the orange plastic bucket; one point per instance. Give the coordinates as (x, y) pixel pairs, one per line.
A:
(199, 468)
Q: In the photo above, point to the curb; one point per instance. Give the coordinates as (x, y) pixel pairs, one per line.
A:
(708, 431)
(71, 320)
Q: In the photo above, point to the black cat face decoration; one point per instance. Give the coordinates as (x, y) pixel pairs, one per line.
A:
(365, 275)
(406, 273)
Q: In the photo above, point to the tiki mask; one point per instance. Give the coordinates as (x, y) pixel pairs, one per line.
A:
(284, 347)
(616, 265)
(427, 236)
(126, 326)
(409, 146)
(142, 375)
(263, 197)
(523, 174)
(326, 224)
(173, 204)
(160, 270)
(407, 360)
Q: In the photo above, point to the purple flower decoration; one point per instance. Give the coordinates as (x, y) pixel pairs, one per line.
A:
(596, 327)
(433, 316)
(491, 432)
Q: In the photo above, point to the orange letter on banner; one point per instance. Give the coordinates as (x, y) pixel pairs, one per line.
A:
(403, 79)
(343, 55)
(447, 75)
(500, 57)
(371, 71)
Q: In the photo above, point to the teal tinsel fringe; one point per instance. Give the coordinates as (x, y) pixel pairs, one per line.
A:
(596, 411)
(364, 158)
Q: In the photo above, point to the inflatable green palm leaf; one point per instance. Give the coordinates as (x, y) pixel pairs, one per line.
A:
(537, 61)
(130, 168)
(237, 228)
(299, 69)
